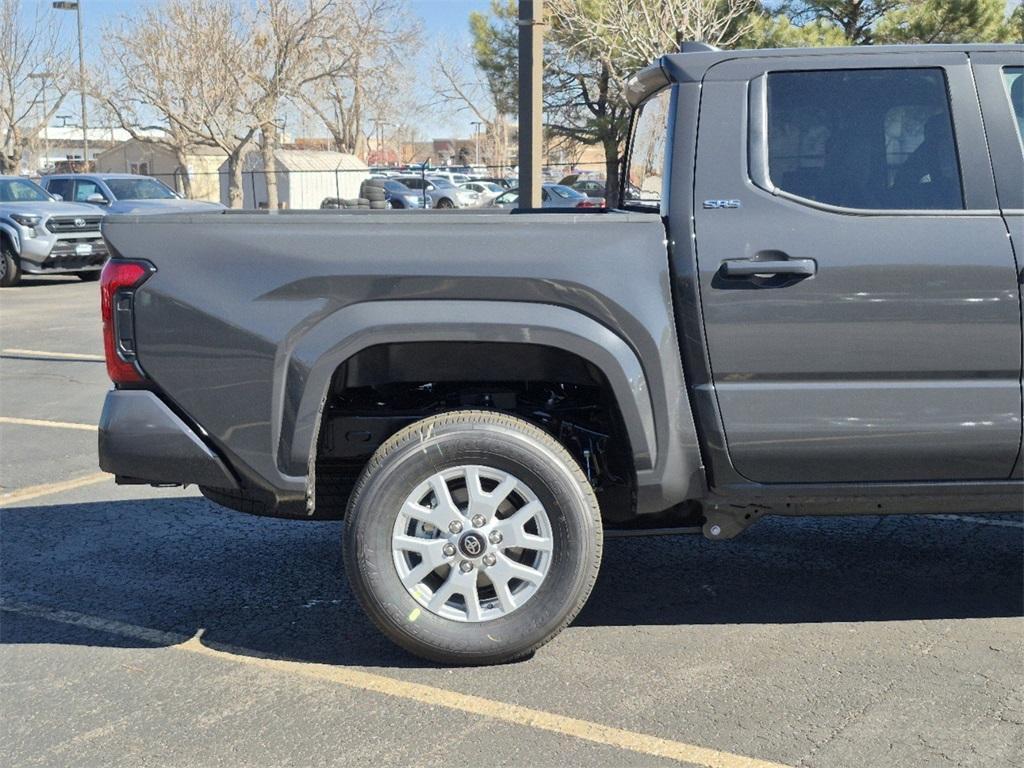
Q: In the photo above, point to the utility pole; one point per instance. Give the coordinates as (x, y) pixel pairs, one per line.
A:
(531, 70)
(76, 6)
(477, 125)
(43, 77)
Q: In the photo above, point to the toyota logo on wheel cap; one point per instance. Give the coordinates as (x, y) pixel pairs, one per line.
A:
(472, 544)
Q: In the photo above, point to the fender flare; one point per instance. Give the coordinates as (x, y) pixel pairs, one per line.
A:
(311, 361)
(10, 233)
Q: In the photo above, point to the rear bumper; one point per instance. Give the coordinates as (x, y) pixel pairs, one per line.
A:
(141, 440)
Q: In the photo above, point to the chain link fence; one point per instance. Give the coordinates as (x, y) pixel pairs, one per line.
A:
(307, 188)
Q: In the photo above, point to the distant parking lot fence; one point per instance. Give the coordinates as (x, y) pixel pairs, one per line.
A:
(306, 188)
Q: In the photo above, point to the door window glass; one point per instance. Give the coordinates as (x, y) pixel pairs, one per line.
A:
(84, 188)
(1013, 78)
(869, 138)
(60, 187)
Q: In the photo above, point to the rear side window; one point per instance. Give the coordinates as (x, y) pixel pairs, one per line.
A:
(1013, 77)
(646, 175)
(869, 138)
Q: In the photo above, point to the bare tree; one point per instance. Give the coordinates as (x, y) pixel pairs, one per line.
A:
(465, 88)
(34, 69)
(598, 44)
(294, 42)
(156, 66)
(371, 40)
(629, 36)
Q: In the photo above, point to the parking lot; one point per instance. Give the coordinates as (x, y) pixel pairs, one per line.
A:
(145, 626)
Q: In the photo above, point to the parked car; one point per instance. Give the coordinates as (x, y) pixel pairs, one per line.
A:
(486, 191)
(454, 177)
(552, 196)
(501, 181)
(596, 186)
(439, 192)
(123, 193)
(42, 235)
(398, 195)
(821, 316)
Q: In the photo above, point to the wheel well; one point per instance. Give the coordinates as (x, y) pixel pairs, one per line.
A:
(6, 241)
(383, 388)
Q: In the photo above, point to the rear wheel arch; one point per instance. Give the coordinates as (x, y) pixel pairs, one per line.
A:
(304, 382)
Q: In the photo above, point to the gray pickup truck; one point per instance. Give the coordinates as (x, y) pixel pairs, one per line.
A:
(813, 307)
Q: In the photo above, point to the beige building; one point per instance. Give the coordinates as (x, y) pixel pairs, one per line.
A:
(304, 178)
(156, 160)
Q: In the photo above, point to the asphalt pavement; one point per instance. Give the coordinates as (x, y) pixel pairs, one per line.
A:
(148, 627)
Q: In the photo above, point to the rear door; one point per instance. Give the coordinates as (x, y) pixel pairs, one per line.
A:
(1000, 79)
(858, 288)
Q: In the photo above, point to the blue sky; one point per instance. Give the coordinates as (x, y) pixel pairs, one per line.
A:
(446, 21)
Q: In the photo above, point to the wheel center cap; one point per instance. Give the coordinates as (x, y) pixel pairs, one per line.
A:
(472, 544)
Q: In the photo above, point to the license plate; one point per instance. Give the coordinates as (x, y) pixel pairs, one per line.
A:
(83, 249)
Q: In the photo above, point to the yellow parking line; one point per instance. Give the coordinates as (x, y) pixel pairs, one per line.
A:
(47, 423)
(35, 491)
(585, 730)
(54, 355)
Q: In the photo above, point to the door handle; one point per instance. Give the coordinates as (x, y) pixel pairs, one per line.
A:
(751, 267)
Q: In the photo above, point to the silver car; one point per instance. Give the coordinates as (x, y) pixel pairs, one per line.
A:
(440, 192)
(124, 193)
(552, 196)
(41, 235)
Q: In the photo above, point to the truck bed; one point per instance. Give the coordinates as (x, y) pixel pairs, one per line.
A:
(249, 313)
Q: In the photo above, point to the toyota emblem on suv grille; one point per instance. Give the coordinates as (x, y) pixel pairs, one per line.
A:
(80, 223)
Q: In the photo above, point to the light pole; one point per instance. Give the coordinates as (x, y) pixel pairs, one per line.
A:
(76, 6)
(42, 77)
(378, 135)
(477, 126)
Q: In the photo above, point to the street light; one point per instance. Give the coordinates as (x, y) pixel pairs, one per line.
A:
(477, 127)
(76, 6)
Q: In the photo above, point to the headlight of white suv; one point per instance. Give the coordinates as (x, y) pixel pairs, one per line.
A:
(27, 220)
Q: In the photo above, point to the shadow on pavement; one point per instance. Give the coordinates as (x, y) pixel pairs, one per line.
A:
(33, 281)
(277, 587)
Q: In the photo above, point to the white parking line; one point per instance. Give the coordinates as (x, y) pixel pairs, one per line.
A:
(35, 491)
(47, 423)
(980, 520)
(584, 730)
(55, 355)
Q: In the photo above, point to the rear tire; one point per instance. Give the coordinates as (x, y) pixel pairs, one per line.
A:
(10, 269)
(444, 202)
(533, 515)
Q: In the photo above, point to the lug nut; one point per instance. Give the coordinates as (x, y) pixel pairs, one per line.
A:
(448, 550)
(465, 566)
(495, 537)
(479, 521)
(455, 526)
(489, 559)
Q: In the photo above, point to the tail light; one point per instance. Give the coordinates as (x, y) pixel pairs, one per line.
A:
(590, 202)
(118, 284)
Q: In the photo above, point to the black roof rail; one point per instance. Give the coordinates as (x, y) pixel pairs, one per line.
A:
(696, 46)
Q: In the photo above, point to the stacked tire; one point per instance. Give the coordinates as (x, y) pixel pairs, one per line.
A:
(373, 191)
(336, 203)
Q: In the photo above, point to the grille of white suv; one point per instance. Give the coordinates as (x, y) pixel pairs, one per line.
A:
(59, 224)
